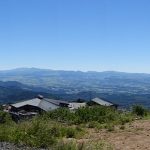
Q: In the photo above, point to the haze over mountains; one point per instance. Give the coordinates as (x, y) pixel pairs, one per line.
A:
(122, 88)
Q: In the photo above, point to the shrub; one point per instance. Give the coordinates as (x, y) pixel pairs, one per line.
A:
(37, 132)
(84, 115)
(139, 110)
(62, 115)
(97, 113)
(5, 117)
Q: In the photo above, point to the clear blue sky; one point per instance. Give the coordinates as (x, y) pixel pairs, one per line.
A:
(75, 34)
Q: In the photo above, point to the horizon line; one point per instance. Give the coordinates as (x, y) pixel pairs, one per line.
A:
(84, 71)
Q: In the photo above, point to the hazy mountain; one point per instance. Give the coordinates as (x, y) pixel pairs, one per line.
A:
(76, 79)
(119, 87)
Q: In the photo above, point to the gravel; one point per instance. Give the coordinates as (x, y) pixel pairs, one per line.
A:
(11, 146)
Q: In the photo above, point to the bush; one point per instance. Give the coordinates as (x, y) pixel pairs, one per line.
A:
(84, 115)
(37, 132)
(92, 116)
(62, 115)
(5, 117)
(139, 110)
(34, 134)
(97, 113)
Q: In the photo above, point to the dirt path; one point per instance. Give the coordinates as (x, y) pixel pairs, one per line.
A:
(135, 136)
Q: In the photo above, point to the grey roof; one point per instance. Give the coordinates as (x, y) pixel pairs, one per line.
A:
(56, 102)
(33, 102)
(44, 104)
(102, 102)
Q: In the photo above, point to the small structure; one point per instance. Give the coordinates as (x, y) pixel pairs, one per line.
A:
(75, 105)
(102, 102)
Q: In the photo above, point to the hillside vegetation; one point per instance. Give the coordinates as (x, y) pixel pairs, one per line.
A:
(62, 127)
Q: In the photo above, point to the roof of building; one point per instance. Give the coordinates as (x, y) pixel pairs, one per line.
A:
(44, 103)
(56, 102)
(33, 102)
(103, 102)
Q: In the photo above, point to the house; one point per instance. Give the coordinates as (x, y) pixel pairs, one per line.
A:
(37, 105)
(102, 102)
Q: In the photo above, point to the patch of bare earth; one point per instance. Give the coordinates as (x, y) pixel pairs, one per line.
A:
(135, 136)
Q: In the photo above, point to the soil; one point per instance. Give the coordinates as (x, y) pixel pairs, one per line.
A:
(135, 136)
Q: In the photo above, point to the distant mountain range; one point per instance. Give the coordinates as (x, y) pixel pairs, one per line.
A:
(119, 87)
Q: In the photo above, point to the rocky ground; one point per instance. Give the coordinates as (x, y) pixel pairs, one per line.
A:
(10, 146)
(135, 136)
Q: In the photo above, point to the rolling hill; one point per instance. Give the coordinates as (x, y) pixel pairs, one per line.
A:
(119, 87)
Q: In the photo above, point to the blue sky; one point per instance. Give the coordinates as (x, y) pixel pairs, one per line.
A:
(82, 35)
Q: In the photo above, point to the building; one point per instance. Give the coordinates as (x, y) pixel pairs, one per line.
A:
(75, 105)
(102, 102)
(36, 105)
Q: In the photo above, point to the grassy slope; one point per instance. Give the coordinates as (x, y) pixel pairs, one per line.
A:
(56, 128)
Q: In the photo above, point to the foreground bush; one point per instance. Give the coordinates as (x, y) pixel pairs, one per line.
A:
(5, 117)
(139, 110)
(84, 115)
(36, 133)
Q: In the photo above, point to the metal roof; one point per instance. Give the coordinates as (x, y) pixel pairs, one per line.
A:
(44, 104)
(47, 106)
(102, 102)
(56, 102)
(33, 102)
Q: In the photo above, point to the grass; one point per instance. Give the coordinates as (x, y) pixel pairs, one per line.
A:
(37, 132)
(91, 145)
(49, 129)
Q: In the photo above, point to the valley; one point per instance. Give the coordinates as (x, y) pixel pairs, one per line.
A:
(124, 89)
